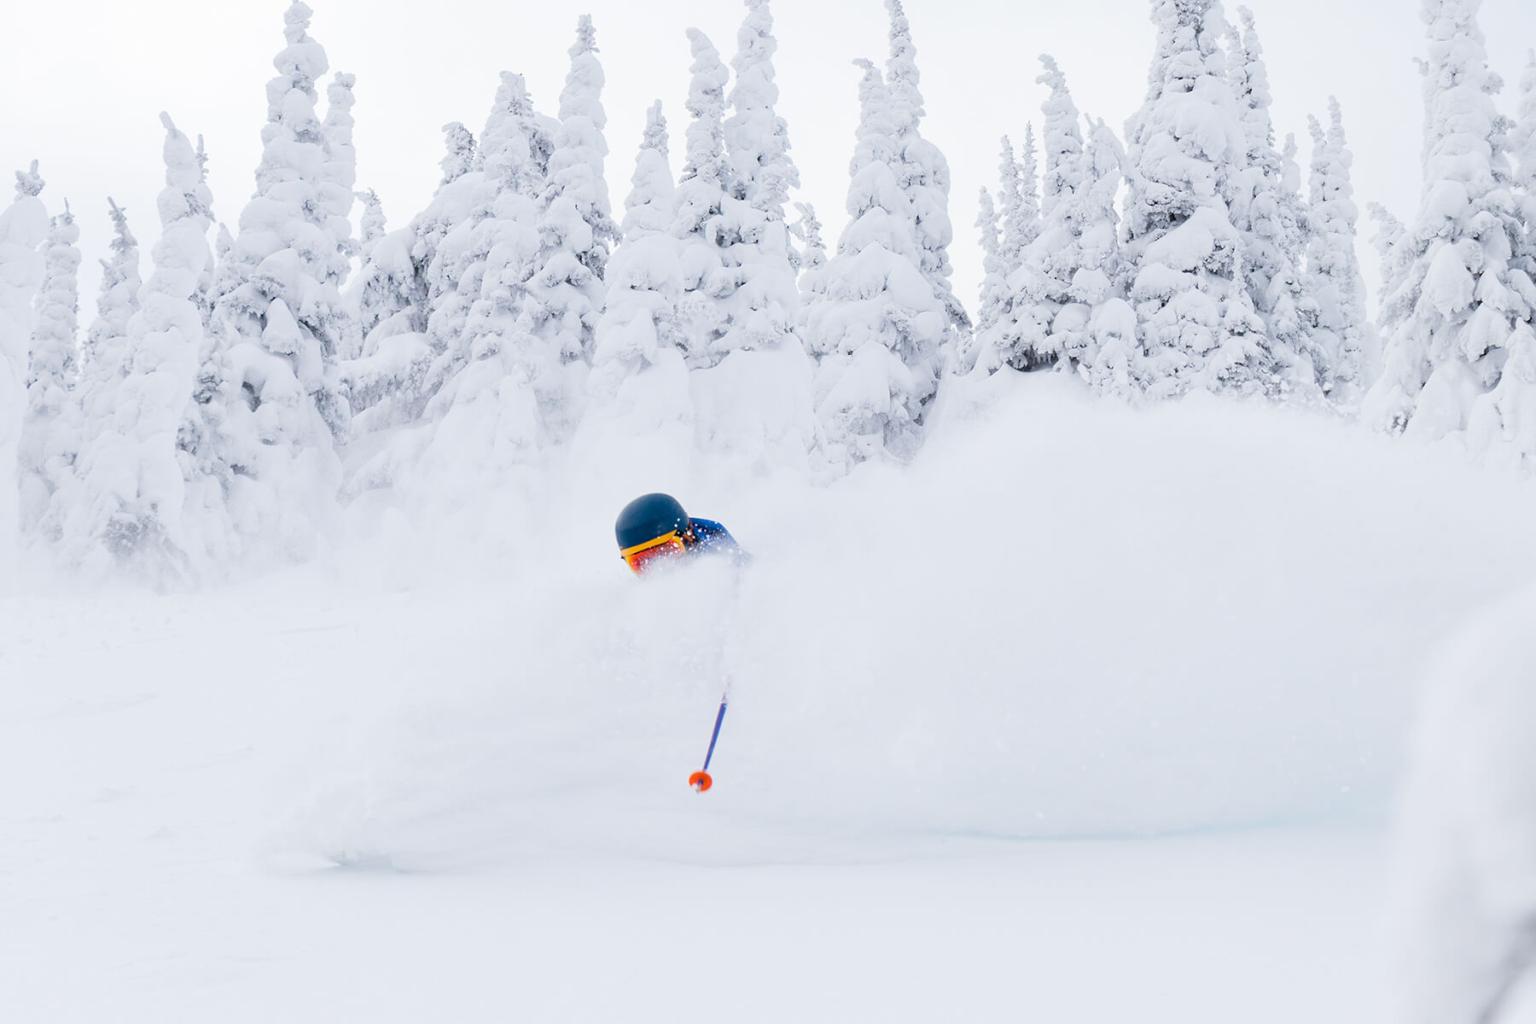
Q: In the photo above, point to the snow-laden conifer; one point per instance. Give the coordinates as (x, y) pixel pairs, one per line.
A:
(564, 291)
(993, 283)
(133, 504)
(1393, 258)
(1333, 271)
(756, 137)
(701, 193)
(340, 178)
(373, 225)
(1269, 216)
(1070, 268)
(1016, 334)
(1180, 240)
(638, 374)
(754, 236)
(478, 238)
(282, 409)
(105, 353)
(1523, 150)
(50, 433)
(1063, 140)
(875, 321)
(1018, 229)
(459, 153)
(481, 403)
(1444, 368)
(921, 169)
(118, 296)
(23, 228)
(808, 231)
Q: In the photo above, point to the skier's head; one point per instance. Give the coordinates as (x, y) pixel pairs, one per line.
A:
(651, 528)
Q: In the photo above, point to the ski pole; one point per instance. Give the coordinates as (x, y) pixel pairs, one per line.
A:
(700, 780)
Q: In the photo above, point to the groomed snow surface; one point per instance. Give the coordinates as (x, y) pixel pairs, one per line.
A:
(1090, 714)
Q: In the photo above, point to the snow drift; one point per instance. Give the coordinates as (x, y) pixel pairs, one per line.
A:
(1066, 618)
(1468, 862)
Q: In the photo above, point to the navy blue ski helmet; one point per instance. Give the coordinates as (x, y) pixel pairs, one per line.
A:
(649, 517)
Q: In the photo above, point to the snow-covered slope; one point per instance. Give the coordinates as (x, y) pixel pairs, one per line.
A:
(446, 777)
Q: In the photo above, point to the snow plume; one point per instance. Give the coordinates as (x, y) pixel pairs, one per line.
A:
(138, 501)
(1462, 362)
(921, 170)
(50, 433)
(1267, 210)
(756, 137)
(875, 323)
(23, 228)
(866, 724)
(1185, 144)
(278, 410)
(1467, 869)
(1336, 289)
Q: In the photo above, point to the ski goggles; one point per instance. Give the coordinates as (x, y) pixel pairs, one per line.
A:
(641, 556)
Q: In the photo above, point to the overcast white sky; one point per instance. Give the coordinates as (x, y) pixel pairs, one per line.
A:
(83, 81)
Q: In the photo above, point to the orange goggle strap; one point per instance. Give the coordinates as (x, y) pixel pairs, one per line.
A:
(630, 554)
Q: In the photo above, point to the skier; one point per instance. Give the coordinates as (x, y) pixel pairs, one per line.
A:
(654, 528)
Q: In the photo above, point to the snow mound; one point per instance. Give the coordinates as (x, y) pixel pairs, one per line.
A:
(1468, 862)
(1066, 618)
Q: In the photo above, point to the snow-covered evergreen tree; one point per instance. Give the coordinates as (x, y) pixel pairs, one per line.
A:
(488, 370)
(1523, 148)
(701, 193)
(1393, 258)
(373, 224)
(118, 297)
(50, 433)
(1333, 270)
(564, 292)
(1016, 333)
(638, 373)
(754, 235)
(281, 409)
(875, 321)
(105, 355)
(1181, 245)
(921, 170)
(756, 137)
(340, 177)
(23, 227)
(1068, 270)
(132, 504)
(476, 241)
(1269, 216)
(1460, 359)
(813, 250)
(1110, 344)
(1018, 229)
(1063, 141)
(459, 153)
(993, 283)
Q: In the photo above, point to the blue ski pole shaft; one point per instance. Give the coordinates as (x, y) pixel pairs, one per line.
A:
(715, 736)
